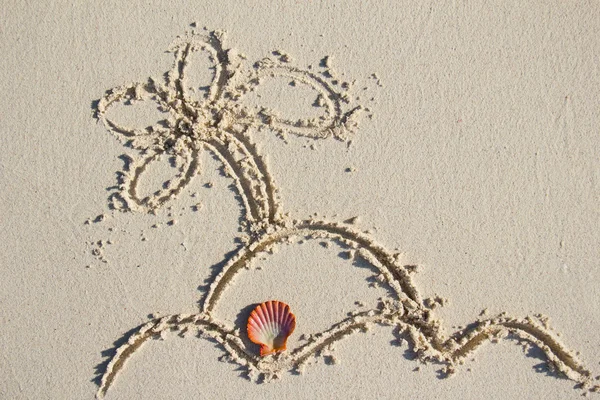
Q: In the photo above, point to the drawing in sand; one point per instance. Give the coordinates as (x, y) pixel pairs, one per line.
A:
(217, 120)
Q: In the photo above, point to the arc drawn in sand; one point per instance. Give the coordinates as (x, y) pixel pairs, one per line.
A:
(220, 123)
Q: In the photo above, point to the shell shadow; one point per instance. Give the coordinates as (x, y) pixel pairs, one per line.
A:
(241, 322)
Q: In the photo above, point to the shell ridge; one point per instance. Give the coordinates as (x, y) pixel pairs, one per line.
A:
(272, 319)
(277, 313)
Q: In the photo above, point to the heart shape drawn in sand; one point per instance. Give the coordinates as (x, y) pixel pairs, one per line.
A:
(219, 122)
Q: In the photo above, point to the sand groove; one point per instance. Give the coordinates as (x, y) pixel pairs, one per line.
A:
(223, 125)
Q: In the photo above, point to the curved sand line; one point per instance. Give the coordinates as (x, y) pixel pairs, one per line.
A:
(395, 273)
(449, 353)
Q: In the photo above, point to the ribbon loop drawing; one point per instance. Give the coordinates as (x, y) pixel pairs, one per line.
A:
(219, 122)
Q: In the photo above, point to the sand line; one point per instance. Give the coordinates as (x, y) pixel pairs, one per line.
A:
(221, 124)
(396, 275)
(267, 179)
(425, 341)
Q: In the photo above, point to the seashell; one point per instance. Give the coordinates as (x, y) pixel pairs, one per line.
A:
(269, 325)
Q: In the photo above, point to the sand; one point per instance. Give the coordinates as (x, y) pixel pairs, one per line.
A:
(418, 183)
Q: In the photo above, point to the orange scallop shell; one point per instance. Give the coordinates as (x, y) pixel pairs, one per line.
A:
(269, 325)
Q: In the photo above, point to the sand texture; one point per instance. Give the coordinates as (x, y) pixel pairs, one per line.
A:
(419, 183)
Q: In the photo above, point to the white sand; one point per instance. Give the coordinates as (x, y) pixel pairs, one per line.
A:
(479, 165)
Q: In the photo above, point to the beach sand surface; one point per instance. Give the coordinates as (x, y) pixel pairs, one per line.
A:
(475, 158)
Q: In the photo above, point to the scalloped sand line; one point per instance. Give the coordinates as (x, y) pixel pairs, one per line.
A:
(435, 348)
(220, 124)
